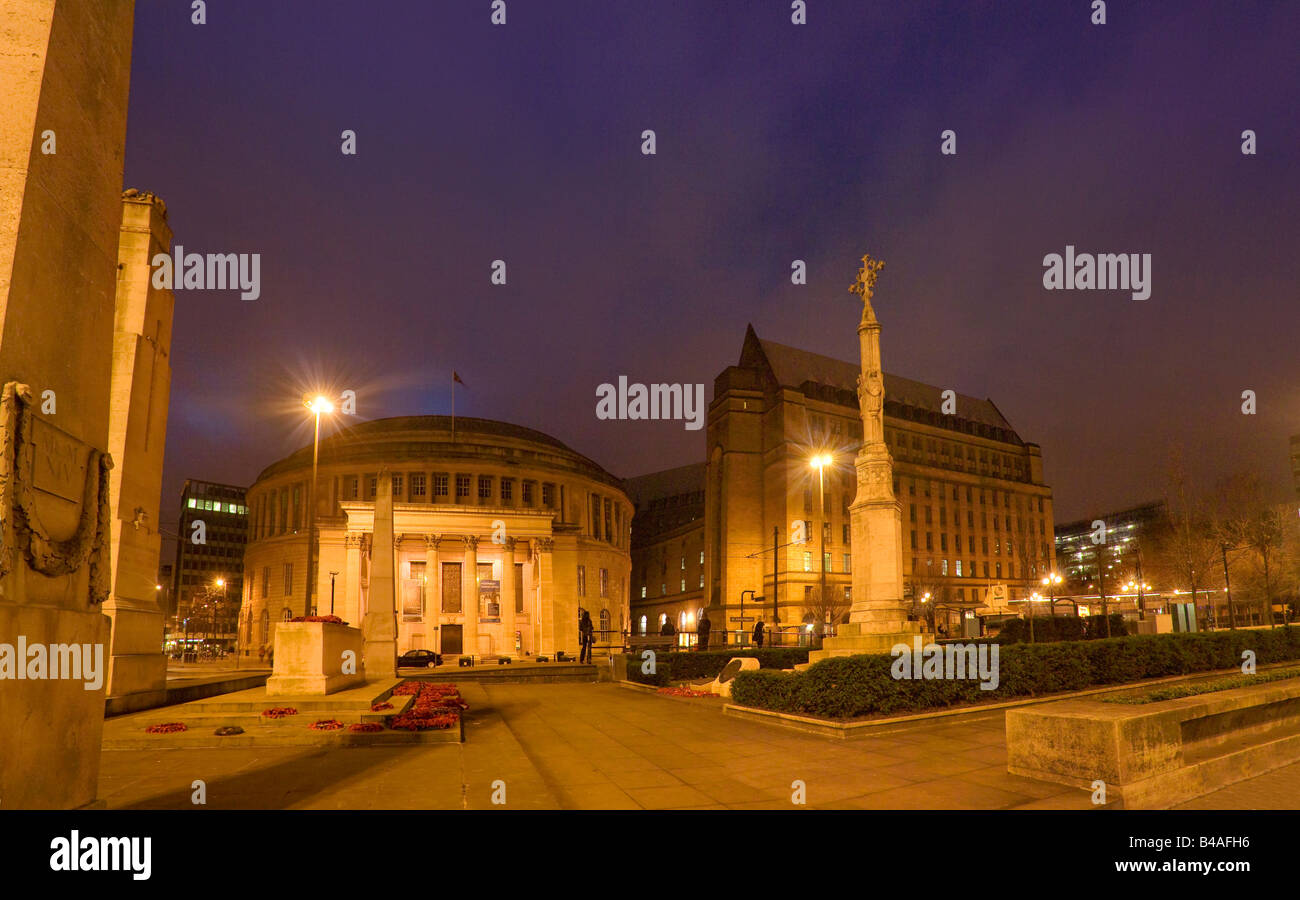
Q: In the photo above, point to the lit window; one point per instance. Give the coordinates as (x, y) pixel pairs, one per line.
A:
(807, 561)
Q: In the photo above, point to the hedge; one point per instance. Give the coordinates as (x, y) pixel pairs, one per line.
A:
(1063, 628)
(850, 686)
(677, 666)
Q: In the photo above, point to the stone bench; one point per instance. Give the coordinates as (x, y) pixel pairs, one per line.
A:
(1156, 755)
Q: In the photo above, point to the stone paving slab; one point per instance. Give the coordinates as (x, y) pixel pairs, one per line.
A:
(596, 746)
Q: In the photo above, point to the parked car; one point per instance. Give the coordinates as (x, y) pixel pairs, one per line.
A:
(419, 659)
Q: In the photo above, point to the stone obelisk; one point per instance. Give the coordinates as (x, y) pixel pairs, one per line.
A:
(878, 616)
(379, 626)
(64, 73)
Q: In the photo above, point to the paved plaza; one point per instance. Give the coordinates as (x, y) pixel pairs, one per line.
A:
(601, 746)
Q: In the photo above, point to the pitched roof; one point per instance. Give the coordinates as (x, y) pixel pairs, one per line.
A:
(791, 367)
(643, 489)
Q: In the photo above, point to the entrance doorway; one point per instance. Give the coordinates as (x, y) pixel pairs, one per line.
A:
(452, 639)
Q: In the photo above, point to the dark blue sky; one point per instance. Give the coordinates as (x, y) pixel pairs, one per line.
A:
(775, 142)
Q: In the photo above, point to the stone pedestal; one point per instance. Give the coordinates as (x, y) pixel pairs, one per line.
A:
(312, 658)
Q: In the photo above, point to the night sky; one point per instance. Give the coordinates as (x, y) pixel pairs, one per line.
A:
(776, 142)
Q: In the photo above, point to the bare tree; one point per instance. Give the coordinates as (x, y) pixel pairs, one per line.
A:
(1186, 546)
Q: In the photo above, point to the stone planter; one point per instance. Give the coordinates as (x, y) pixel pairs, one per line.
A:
(310, 659)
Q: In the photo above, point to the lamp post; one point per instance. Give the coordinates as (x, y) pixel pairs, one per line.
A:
(332, 574)
(1035, 597)
(317, 405)
(1050, 581)
(820, 462)
(221, 583)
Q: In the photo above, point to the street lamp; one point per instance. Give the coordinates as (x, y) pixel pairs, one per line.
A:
(1050, 581)
(317, 405)
(820, 462)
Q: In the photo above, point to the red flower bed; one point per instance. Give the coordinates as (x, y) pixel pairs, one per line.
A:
(380, 707)
(326, 725)
(435, 706)
(412, 722)
(365, 726)
(166, 728)
(684, 692)
(332, 620)
(279, 712)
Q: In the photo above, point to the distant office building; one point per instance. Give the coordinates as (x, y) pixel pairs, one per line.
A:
(210, 553)
(1091, 567)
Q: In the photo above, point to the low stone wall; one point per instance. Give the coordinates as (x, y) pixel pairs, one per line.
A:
(1155, 755)
(309, 658)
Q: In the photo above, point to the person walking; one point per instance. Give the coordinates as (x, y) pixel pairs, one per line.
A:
(758, 634)
(586, 636)
(702, 632)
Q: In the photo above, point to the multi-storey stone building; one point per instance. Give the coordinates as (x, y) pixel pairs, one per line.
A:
(503, 535)
(977, 516)
(668, 549)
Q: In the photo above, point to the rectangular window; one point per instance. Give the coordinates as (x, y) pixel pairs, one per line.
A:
(701, 557)
(582, 581)
(643, 591)
(826, 562)
(807, 561)
(913, 540)
(484, 487)
(507, 490)
(959, 568)
(462, 487)
(266, 581)
(398, 497)
(999, 566)
(847, 558)
(548, 495)
(683, 585)
(945, 567)
(373, 482)
(847, 532)
(604, 583)
(528, 493)
(418, 486)
(288, 579)
(701, 579)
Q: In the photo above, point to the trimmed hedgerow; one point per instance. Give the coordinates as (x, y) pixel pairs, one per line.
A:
(850, 686)
(1062, 628)
(678, 666)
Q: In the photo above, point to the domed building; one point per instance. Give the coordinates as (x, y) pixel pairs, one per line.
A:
(502, 535)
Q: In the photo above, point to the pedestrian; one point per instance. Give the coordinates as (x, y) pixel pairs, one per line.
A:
(667, 630)
(758, 634)
(586, 637)
(702, 632)
(261, 654)
(270, 655)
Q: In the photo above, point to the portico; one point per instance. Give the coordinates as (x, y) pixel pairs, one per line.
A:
(474, 580)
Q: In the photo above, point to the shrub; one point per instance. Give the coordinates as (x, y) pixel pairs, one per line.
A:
(1062, 628)
(850, 686)
(677, 666)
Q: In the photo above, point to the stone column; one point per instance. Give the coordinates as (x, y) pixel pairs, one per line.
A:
(137, 428)
(508, 596)
(380, 622)
(433, 588)
(545, 611)
(64, 71)
(352, 578)
(469, 595)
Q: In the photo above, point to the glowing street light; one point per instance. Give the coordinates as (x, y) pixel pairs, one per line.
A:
(1050, 581)
(318, 405)
(819, 462)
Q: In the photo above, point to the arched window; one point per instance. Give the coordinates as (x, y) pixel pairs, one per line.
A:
(604, 620)
(265, 626)
(643, 624)
(286, 615)
(681, 621)
(663, 617)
